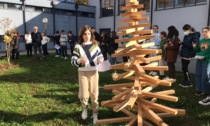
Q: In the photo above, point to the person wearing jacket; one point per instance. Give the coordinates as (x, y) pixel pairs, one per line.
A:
(15, 46)
(36, 40)
(71, 41)
(57, 42)
(171, 50)
(28, 41)
(104, 40)
(187, 52)
(203, 53)
(45, 40)
(112, 46)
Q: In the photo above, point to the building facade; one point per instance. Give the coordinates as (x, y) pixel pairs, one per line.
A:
(174, 12)
(61, 15)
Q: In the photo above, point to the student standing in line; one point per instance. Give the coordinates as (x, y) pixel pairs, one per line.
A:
(36, 40)
(28, 40)
(57, 43)
(86, 56)
(172, 49)
(71, 41)
(63, 43)
(187, 52)
(203, 53)
(163, 36)
(45, 40)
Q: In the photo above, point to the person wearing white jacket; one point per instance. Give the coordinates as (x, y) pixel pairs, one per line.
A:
(28, 41)
(44, 42)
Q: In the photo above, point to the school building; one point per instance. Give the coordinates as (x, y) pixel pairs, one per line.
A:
(102, 14)
(60, 14)
(160, 12)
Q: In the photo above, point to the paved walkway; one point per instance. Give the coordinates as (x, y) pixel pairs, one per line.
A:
(178, 63)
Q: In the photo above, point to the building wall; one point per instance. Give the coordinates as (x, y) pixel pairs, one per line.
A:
(193, 15)
(34, 18)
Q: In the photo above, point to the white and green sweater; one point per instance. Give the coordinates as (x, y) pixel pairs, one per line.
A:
(89, 51)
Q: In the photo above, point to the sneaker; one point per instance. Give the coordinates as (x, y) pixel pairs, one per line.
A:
(95, 118)
(56, 55)
(150, 73)
(198, 93)
(154, 73)
(65, 58)
(166, 78)
(84, 113)
(186, 84)
(205, 101)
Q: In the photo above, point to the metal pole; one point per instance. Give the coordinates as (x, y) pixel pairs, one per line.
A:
(151, 13)
(208, 22)
(114, 14)
(24, 16)
(53, 9)
(76, 8)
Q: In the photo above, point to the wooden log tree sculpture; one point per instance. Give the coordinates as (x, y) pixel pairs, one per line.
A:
(137, 99)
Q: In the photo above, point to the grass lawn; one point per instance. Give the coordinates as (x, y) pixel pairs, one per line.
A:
(44, 93)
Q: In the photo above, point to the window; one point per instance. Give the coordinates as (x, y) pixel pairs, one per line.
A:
(1, 5)
(64, 12)
(38, 9)
(14, 6)
(168, 4)
(121, 3)
(47, 10)
(146, 4)
(107, 8)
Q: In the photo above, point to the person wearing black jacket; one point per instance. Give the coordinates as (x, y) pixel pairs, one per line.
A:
(57, 42)
(72, 41)
(187, 52)
(97, 36)
(112, 46)
(15, 46)
(36, 41)
(104, 41)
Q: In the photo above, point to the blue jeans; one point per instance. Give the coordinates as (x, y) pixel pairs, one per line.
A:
(201, 77)
(63, 50)
(112, 60)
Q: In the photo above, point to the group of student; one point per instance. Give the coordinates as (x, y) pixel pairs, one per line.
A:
(192, 48)
(39, 41)
(88, 53)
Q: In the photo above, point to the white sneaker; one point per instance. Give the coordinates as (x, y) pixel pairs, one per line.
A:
(205, 101)
(154, 73)
(95, 118)
(150, 73)
(166, 78)
(65, 58)
(84, 114)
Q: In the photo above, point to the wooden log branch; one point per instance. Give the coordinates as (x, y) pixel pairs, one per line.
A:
(117, 86)
(113, 120)
(160, 96)
(160, 107)
(123, 75)
(131, 123)
(136, 26)
(135, 38)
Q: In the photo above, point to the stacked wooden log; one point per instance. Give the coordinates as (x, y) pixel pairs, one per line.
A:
(138, 96)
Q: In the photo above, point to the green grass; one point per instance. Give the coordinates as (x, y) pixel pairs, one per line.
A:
(44, 93)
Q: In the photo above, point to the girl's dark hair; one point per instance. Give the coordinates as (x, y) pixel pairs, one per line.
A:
(114, 34)
(156, 26)
(187, 27)
(57, 32)
(207, 27)
(70, 32)
(104, 35)
(44, 33)
(172, 31)
(82, 31)
(163, 33)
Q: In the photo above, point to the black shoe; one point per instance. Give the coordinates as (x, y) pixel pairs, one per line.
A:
(186, 84)
(198, 93)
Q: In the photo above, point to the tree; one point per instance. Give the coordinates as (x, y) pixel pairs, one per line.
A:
(83, 2)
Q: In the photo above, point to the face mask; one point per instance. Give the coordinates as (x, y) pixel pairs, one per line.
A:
(186, 32)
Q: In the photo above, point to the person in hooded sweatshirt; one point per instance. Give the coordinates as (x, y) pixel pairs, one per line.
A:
(187, 52)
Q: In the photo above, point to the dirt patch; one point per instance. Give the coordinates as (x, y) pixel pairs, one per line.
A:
(6, 66)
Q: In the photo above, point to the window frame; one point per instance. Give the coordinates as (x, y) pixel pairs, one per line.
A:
(105, 8)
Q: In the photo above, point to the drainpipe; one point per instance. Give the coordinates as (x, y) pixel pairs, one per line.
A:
(114, 14)
(151, 13)
(208, 15)
(24, 16)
